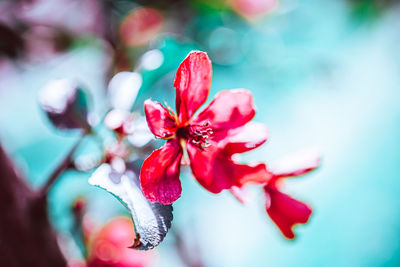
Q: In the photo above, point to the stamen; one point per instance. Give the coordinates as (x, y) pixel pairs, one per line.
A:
(198, 135)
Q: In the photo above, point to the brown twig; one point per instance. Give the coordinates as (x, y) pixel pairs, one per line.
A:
(64, 165)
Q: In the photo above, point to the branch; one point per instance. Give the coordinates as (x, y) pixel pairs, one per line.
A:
(64, 165)
(26, 236)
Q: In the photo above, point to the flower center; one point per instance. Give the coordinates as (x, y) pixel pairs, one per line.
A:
(197, 135)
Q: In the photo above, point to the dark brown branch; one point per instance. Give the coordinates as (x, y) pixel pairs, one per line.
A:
(26, 236)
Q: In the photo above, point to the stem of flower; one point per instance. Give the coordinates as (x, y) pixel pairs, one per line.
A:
(184, 250)
(64, 165)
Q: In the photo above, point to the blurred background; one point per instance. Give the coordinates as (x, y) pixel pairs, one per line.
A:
(324, 74)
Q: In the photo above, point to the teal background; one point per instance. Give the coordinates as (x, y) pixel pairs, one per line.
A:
(322, 75)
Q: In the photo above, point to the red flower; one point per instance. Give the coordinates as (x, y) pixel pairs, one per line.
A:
(284, 210)
(208, 138)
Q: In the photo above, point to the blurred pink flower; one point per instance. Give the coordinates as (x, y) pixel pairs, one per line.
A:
(253, 9)
(109, 247)
(141, 26)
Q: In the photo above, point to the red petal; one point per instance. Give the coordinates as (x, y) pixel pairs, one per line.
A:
(285, 211)
(192, 83)
(251, 174)
(229, 109)
(297, 164)
(246, 138)
(159, 176)
(161, 122)
(209, 168)
(215, 170)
